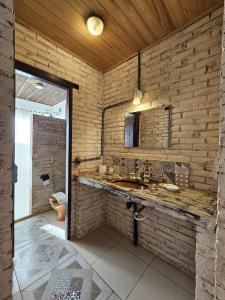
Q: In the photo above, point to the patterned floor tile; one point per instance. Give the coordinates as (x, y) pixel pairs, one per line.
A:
(35, 260)
(30, 230)
(73, 279)
(69, 284)
(85, 295)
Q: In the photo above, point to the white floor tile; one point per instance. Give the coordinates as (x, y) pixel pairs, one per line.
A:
(17, 297)
(51, 215)
(120, 269)
(15, 286)
(140, 252)
(29, 220)
(155, 286)
(118, 263)
(181, 279)
(113, 297)
(94, 246)
(110, 232)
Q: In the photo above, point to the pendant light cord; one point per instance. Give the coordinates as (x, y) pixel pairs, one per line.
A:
(139, 70)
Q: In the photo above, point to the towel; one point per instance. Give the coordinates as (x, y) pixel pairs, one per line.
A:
(60, 197)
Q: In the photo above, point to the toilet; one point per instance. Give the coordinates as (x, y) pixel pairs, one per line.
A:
(57, 202)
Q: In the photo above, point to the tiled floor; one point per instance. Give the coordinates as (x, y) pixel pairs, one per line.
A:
(103, 265)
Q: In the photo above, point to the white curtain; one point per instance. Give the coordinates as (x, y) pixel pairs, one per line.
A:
(23, 161)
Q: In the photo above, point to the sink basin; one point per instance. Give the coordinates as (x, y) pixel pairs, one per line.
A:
(131, 184)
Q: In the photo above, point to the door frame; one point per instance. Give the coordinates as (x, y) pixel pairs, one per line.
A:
(69, 86)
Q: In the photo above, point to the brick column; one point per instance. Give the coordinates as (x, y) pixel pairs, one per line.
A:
(88, 209)
(220, 234)
(205, 263)
(6, 143)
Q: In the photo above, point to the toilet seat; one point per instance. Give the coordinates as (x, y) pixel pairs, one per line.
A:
(59, 205)
(60, 197)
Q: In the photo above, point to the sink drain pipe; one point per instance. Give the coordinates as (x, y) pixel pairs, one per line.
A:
(136, 211)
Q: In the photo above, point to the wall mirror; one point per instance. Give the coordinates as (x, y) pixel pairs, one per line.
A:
(150, 128)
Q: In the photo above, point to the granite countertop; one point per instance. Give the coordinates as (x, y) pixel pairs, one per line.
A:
(195, 206)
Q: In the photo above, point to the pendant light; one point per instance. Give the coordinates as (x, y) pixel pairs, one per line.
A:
(138, 95)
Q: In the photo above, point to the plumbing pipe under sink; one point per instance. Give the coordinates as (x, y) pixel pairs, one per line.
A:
(136, 211)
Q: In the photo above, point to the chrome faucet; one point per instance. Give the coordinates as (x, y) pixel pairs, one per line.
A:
(140, 173)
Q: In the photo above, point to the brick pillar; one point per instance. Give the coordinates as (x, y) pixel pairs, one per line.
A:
(205, 263)
(6, 143)
(220, 234)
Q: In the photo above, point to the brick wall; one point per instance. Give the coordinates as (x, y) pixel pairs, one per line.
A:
(183, 71)
(88, 207)
(220, 236)
(168, 237)
(6, 143)
(36, 51)
(205, 263)
(191, 248)
(48, 156)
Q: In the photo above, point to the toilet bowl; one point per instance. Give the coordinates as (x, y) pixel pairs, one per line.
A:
(57, 202)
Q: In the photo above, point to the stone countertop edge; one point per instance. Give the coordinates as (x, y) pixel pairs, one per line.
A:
(130, 195)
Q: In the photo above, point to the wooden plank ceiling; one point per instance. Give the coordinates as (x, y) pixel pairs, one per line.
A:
(130, 25)
(50, 94)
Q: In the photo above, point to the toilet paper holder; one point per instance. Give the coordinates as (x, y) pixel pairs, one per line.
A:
(45, 179)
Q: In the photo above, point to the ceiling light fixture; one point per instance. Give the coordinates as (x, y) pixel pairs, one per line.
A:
(138, 95)
(39, 85)
(95, 24)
